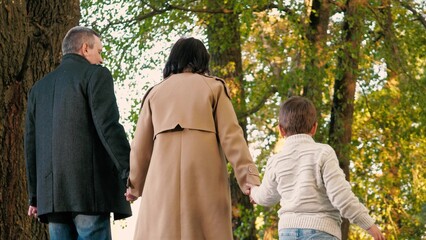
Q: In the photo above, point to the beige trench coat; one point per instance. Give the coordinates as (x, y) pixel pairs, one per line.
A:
(186, 129)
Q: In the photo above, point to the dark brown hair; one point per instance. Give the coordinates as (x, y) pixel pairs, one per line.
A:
(297, 115)
(187, 54)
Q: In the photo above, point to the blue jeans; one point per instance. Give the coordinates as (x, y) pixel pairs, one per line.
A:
(304, 234)
(81, 227)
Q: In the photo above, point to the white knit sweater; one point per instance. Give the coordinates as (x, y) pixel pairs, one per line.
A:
(306, 179)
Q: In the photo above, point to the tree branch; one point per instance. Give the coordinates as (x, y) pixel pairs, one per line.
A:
(230, 11)
(341, 6)
(259, 105)
(138, 18)
(168, 7)
(418, 15)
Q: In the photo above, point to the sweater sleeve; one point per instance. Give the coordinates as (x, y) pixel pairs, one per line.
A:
(267, 193)
(340, 193)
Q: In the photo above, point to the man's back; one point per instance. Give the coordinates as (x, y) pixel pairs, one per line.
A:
(80, 151)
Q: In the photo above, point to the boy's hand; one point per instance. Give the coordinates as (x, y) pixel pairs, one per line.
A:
(249, 186)
(252, 201)
(375, 232)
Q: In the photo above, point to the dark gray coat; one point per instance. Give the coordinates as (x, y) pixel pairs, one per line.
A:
(76, 151)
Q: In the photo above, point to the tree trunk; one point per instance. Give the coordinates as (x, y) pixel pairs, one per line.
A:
(394, 67)
(344, 89)
(223, 33)
(316, 35)
(31, 34)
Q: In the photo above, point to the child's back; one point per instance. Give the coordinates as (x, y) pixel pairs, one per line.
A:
(306, 179)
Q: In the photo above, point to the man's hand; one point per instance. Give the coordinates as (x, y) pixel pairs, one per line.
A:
(32, 211)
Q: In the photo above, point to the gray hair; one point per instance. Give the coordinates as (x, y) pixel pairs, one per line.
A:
(76, 37)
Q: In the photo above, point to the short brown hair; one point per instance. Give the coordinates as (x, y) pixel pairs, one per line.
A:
(297, 115)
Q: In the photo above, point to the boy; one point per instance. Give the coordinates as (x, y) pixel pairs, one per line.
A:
(306, 179)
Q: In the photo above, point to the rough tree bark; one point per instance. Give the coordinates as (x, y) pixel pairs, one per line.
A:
(31, 33)
(344, 88)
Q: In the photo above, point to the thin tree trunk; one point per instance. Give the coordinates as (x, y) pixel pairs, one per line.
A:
(31, 33)
(223, 33)
(344, 89)
(394, 65)
(316, 35)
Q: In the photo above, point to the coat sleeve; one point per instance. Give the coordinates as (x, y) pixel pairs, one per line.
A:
(30, 152)
(106, 116)
(141, 150)
(232, 141)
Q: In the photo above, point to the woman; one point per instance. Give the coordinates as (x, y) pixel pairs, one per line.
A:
(186, 129)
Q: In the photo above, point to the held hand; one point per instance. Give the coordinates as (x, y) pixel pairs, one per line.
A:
(248, 188)
(129, 196)
(252, 201)
(32, 211)
(375, 232)
(247, 192)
